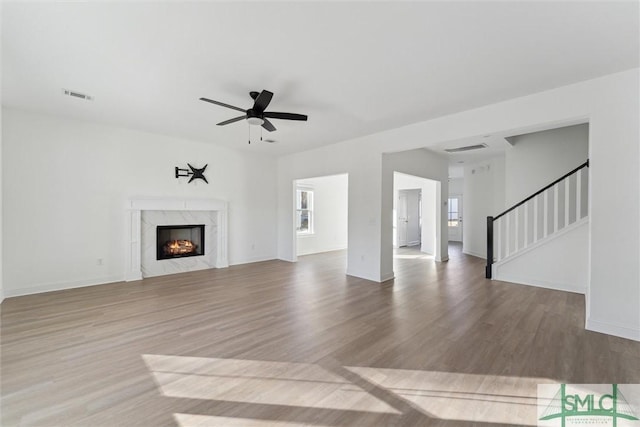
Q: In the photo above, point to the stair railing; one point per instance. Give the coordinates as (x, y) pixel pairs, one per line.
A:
(503, 241)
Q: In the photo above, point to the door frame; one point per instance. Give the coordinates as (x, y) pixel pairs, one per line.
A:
(460, 213)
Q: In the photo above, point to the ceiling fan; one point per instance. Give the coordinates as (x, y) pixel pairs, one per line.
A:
(256, 114)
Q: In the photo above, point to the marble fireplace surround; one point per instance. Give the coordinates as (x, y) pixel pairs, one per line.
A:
(134, 209)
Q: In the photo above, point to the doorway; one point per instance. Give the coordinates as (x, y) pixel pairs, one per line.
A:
(454, 218)
(416, 214)
(409, 217)
(321, 214)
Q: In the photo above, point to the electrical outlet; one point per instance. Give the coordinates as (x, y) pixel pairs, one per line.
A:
(99, 261)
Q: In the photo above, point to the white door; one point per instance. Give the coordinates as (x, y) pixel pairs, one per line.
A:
(408, 219)
(454, 206)
(402, 218)
(413, 217)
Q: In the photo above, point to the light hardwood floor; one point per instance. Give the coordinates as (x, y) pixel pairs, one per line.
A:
(281, 344)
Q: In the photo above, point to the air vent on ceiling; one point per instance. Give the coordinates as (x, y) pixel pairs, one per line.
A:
(467, 148)
(75, 94)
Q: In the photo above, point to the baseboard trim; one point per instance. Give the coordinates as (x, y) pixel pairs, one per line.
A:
(321, 251)
(387, 277)
(61, 286)
(365, 276)
(613, 329)
(529, 281)
(252, 260)
(133, 276)
(475, 254)
(360, 275)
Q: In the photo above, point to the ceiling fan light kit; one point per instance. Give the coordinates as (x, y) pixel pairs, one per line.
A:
(255, 121)
(256, 115)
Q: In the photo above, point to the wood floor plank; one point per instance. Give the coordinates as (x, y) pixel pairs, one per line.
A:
(289, 344)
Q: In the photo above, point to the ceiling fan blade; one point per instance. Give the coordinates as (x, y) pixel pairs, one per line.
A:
(268, 125)
(285, 116)
(222, 104)
(235, 119)
(262, 101)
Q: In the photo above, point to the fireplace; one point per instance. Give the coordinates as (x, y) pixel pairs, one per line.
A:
(144, 215)
(178, 241)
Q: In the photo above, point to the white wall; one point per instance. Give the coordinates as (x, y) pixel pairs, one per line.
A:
(560, 263)
(614, 148)
(610, 103)
(539, 158)
(428, 188)
(363, 167)
(456, 186)
(483, 196)
(368, 231)
(1, 193)
(330, 215)
(423, 164)
(66, 182)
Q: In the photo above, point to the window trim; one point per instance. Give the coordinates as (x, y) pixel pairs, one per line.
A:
(311, 230)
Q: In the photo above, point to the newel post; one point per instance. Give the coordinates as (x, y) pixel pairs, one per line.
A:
(489, 247)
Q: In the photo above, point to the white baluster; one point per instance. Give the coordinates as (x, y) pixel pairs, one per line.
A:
(516, 232)
(587, 194)
(498, 223)
(556, 211)
(545, 211)
(567, 182)
(579, 195)
(526, 224)
(535, 219)
(507, 242)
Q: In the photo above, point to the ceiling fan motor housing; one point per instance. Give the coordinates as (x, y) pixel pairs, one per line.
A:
(254, 118)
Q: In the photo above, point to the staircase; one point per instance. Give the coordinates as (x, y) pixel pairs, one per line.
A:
(540, 229)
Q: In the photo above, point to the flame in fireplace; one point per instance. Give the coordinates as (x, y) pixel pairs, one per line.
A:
(179, 247)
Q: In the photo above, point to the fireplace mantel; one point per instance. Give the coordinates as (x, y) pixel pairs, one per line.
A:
(134, 208)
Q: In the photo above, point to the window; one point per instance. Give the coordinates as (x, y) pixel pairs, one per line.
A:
(454, 217)
(304, 211)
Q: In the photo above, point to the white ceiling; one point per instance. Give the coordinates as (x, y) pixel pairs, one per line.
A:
(355, 68)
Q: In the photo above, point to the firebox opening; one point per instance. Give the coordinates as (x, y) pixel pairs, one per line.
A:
(177, 241)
